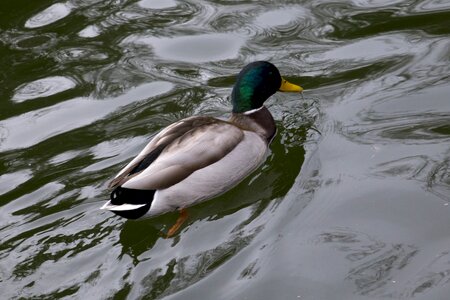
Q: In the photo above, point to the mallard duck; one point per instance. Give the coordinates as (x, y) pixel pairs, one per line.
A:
(200, 157)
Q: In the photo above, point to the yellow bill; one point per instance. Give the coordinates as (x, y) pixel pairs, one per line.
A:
(286, 86)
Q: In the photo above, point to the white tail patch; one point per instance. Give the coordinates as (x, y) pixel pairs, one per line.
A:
(109, 206)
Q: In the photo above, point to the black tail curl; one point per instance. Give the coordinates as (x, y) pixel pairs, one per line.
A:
(120, 196)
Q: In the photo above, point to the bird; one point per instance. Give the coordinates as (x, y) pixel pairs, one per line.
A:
(201, 157)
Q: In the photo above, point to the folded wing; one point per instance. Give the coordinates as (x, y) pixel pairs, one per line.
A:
(178, 151)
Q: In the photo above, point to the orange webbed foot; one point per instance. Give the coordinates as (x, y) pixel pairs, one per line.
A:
(181, 219)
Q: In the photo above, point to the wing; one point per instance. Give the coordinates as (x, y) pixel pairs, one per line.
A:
(156, 145)
(214, 179)
(177, 151)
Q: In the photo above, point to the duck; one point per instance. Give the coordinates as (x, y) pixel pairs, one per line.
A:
(201, 157)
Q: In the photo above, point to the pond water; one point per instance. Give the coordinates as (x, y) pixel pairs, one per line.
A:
(352, 202)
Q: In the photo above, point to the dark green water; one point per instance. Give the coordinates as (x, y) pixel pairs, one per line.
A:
(352, 203)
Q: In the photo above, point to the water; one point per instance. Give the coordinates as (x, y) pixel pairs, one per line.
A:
(352, 203)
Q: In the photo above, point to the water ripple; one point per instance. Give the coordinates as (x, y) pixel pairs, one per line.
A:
(43, 88)
(157, 4)
(10, 181)
(90, 31)
(431, 5)
(279, 18)
(196, 48)
(84, 55)
(54, 117)
(352, 201)
(49, 15)
(25, 41)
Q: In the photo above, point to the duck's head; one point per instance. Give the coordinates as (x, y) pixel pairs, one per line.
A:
(256, 83)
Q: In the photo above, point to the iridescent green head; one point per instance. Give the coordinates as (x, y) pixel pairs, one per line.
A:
(256, 83)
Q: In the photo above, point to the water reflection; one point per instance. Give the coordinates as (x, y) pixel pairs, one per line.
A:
(432, 175)
(171, 275)
(87, 55)
(435, 274)
(25, 41)
(10, 181)
(157, 4)
(49, 15)
(48, 122)
(431, 5)
(280, 17)
(90, 31)
(44, 87)
(378, 268)
(375, 265)
(135, 245)
(196, 48)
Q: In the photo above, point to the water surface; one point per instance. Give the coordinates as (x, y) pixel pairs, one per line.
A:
(352, 202)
